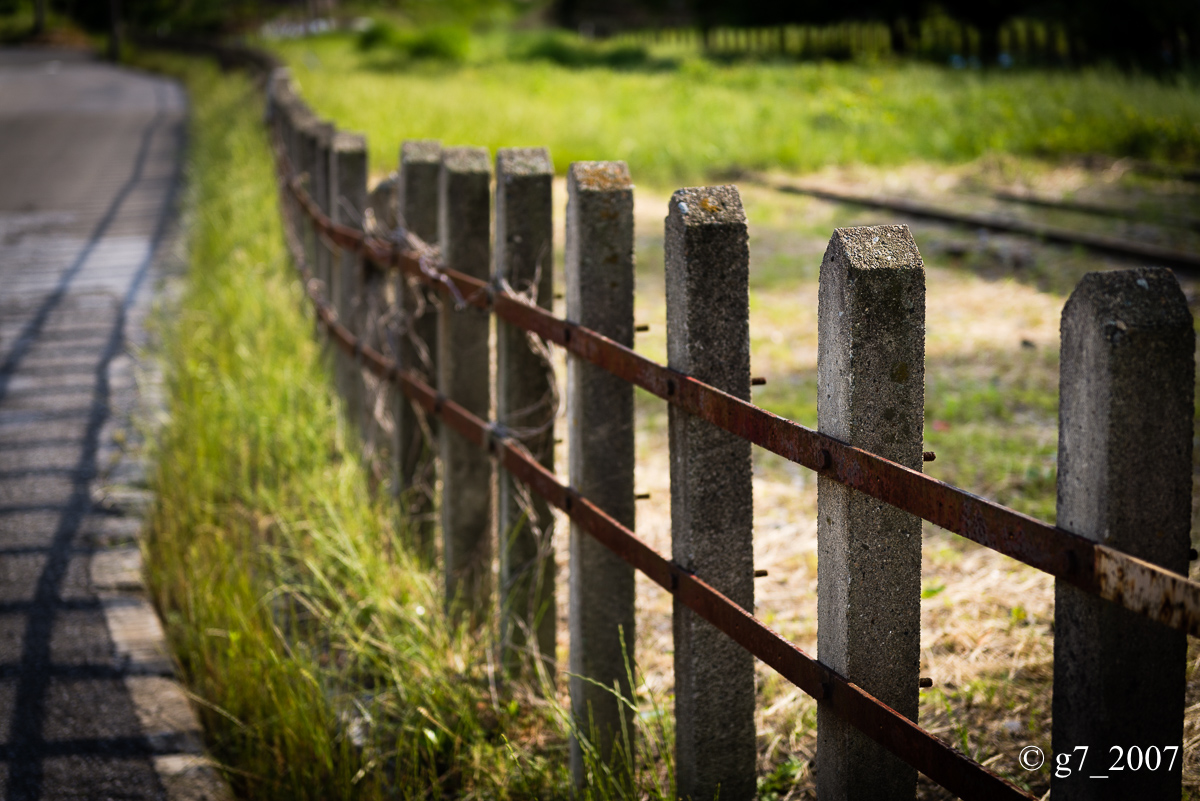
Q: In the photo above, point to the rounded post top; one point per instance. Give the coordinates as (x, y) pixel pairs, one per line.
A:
(523, 161)
(466, 160)
(599, 176)
(876, 247)
(1124, 300)
(707, 205)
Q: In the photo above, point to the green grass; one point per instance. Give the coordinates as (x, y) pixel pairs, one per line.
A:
(313, 639)
(688, 119)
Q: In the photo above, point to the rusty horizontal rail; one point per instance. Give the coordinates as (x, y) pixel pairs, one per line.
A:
(1138, 585)
(932, 756)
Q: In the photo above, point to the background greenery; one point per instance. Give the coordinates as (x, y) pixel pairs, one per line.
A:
(677, 117)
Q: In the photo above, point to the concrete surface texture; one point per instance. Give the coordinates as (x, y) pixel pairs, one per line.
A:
(416, 340)
(707, 259)
(464, 211)
(871, 394)
(526, 406)
(599, 292)
(90, 159)
(1126, 384)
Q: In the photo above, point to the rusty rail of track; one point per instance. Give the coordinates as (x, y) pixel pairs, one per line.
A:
(1101, 243)
(1138, 585)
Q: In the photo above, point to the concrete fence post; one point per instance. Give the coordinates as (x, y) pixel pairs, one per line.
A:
(525, 395)
(279, 92)
(871, 394)
(464, 211)
(599, 290)
(348, 202)
(708, 337)
(1126, 387)
(380, 394)
(291, 132)
(416, 341)
(321, 194)
(308, 142)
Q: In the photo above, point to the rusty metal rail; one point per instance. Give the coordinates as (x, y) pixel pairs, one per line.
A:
(925, 752)
(1145, 588)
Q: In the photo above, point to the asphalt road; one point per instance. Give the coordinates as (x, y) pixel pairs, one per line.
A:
(89, 165)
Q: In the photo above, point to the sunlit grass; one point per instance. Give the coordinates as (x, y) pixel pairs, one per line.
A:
(693, 119)
(315, 643)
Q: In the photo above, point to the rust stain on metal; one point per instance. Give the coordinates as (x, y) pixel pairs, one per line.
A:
(1143, 587)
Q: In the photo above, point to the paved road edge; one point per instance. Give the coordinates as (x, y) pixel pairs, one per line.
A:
(171, 729)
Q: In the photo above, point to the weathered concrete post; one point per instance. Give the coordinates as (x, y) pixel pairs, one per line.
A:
(599, 289)
(278, 81)
(382, 200)
(309, 163)
(301, 118)
(379, 394)
(464, 376)
(871, 394)
(1125, 480)
(348, 202)
(708, 337)
(416, 341)
(291, 133)
(525, 407)
(321, 194)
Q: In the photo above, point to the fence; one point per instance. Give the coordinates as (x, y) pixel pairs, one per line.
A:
(1123, 604)
(1022, 41)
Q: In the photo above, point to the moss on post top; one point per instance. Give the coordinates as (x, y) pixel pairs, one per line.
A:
(876, 247)
(599, 176)
(707, 205)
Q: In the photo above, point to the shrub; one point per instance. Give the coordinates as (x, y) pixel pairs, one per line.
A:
(571, 51)
(443, 43)
(379, 33)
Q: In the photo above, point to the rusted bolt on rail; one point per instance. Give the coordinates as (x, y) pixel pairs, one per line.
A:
(758, 381)
(928, 456)
(925, 682)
